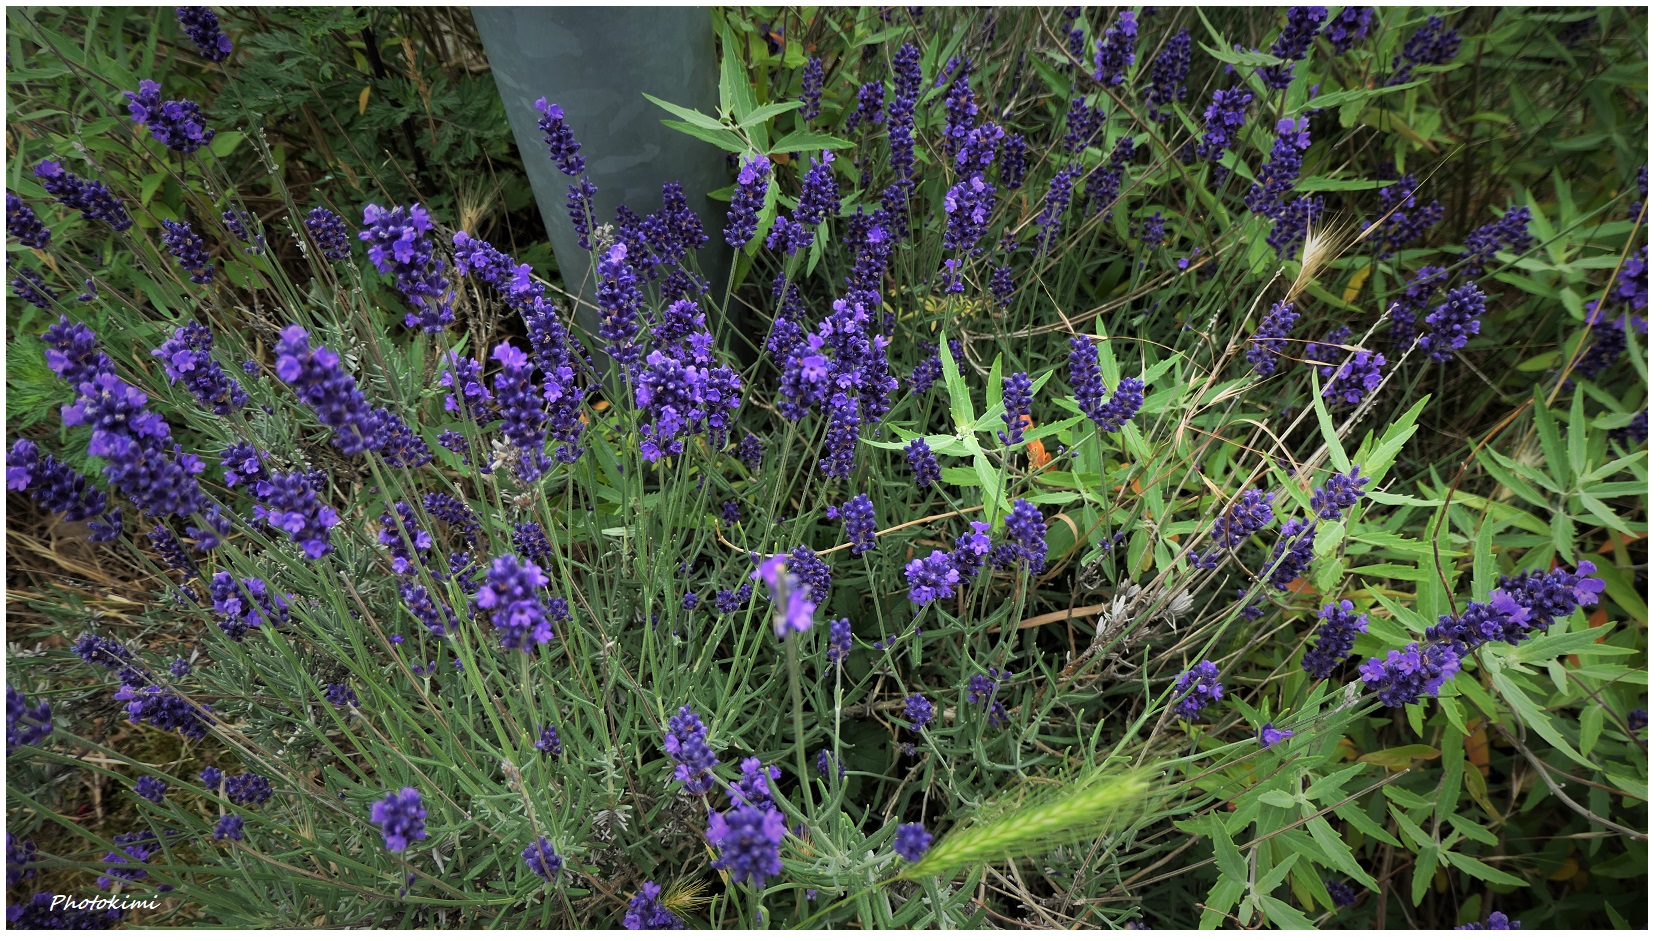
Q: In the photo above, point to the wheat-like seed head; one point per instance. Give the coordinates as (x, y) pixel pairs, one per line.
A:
(1079, 812)
(1320, 248)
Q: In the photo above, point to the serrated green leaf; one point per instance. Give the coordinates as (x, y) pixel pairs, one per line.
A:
(800, 141)
(1482, 870)
(725, 139)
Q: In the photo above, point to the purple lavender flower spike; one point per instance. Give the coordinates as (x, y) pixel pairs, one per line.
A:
(402, 818)
(202, 27)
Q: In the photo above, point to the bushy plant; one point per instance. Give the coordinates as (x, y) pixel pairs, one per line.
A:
(1125, 479)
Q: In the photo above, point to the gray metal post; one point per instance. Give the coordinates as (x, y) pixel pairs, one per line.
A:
(595, 62)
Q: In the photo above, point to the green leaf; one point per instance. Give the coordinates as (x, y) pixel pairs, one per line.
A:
(1330, 437)
(768, 111)
(1284, 915)
(1379, 458)
(1552, 446)
(1399, 757)
(798, 141)
(1526, 709)
(696, 118)
(1618, 584)
(225, 142)
(1425, 866)
(725, 139)
(1482, 870)
(737, 97)
(963, 412)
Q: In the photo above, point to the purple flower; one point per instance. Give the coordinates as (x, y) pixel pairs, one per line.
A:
(523, 415)
(151, 789)
(1511, 230)
(245, 604)
(859, 522)
(792, 608)
(141, 459)
(1348, 28)
(970, 550)
(249, 788)
(1114, 55)
(842, 641)
(813, 86)
(511, 593)
(908, 79)
(1084, 126)
(26, 724)
(823, 764)
(549, 742)
(131, 849)
(1340, 493)
(1271, 337)
(1403, 218)
(1168, 74)
(1269, 735)
(60, 489)
(178, 124)
(22, 223)
(842, 434)
(1456, 320)
(1224, 117)
(1244, 517)
(925, 469)
(1335, 636)
(1057, 197)
(1018, 401)
(1431, 44)
(1497, 921)
(1407, 674)
(187, 357)
(932, 578)
(580, 208)
(229, 827)
(812, 571)
(401, 816)
(868, 107)
(748, 197)
(1278, 174)
(645, 912)
(686, 744)
(983, 691)
(1343, 896)
(31, 288)
(1196, 689)
(328, 231)
(91, 198)
(620, 302)
(541, 859)
(1024, 539)
(202, 26)
(183, 243)
(73, 352)
(918, 711)
(1012, 160)
(1293, 44)
(332, 393)
(399, 246)
(752, 786)
(1638, 719)
(340, 695)
(747, 841)
(165, 710)
(911, 841)
(562, 143)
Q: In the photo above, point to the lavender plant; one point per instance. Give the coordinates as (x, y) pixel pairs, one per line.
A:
(1242, 567)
